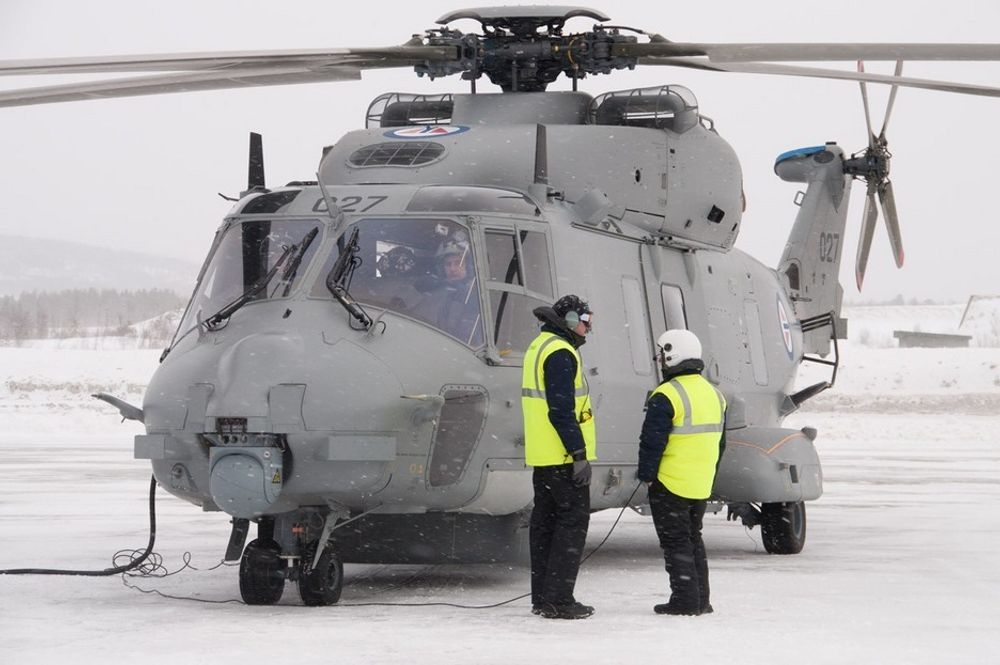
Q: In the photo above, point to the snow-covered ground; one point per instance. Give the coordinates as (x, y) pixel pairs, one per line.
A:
(899, 567)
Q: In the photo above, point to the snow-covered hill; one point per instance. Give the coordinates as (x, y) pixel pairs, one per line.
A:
(37, 264)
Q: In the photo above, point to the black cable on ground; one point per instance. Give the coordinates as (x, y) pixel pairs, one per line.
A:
(133, 561)
(511, 600)
(153, 568)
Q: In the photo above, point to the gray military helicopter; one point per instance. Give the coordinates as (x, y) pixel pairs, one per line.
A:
(347, 372)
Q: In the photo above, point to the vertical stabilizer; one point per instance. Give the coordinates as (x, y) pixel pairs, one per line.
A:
(810, 265)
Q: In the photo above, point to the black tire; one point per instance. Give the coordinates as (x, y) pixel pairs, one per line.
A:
(320, 585)
(262, 573)
(783, 526)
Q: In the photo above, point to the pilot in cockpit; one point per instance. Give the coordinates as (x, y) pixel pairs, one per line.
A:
(452, 296)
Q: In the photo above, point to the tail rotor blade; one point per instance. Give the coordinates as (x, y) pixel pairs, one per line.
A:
(892, 100)
(864, 98)
(867, 233)
(888, 201)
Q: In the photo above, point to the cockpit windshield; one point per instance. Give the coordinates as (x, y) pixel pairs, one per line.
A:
(246, 253)
(423, 268)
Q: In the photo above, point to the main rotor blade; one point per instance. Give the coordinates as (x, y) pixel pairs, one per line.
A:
(815, 72)
(867, 233)
(182, 82)
(892, 100)
(362, 58)
(888, 201)
(804, 52)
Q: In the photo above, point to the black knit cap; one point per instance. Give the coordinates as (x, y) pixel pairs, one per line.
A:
(571, 303)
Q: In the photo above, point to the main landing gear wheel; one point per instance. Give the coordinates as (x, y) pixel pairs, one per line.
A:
(262, 573)
(783, 526)
(320, 585)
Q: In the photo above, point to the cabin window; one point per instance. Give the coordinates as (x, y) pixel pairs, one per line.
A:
(243, 257)
(792, 273)
(635, 322)
(673, 307)
(519, 280)
(423, 268)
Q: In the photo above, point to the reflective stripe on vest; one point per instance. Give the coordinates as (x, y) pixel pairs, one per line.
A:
(542, 444)
(687, 468)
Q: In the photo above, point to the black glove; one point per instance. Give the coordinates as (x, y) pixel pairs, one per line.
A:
(744, 512)
(581, 469)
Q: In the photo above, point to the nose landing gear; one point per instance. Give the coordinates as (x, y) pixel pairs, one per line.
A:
(262, 572)
(264, 569)
(320, 584)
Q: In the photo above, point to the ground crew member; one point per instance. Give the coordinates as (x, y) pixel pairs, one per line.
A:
(682, 440)
(559, 442)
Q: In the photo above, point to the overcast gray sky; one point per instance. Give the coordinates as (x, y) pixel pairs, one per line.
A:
(142, 174)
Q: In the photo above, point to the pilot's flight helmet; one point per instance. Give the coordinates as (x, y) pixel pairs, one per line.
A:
(676, 346)
(456, 243)
(571, 308)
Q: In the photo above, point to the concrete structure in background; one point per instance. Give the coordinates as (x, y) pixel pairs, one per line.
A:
(909, 339)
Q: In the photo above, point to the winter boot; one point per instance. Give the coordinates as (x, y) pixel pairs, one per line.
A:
(676, 609)
(568, 611)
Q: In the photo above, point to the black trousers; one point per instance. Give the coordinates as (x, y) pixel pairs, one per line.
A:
(557, 534)
(678, 526)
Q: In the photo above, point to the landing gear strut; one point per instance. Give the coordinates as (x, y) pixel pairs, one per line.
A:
(783, 526)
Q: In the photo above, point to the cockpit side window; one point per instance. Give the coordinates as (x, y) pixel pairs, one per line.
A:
(243, 257)
(519, 280)
(538, 271)
(423, 268)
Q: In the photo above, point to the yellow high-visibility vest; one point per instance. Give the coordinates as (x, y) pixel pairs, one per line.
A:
(687, 467)
(542, 445)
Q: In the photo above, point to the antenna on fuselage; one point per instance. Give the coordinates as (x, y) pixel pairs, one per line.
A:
(255, 166)
(541, 156)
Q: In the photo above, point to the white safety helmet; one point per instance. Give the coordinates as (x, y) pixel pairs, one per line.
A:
(676, 346)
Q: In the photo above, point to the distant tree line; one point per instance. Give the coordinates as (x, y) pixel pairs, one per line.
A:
(898, 300)
(80, 312)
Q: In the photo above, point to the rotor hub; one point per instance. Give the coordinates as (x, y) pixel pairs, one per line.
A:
(525, 52)
(870, 165)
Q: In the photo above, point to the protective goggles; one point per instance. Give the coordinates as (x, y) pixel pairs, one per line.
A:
(586, 318)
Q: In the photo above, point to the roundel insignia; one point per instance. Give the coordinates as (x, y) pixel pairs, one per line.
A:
(426, 131)
(786, 329)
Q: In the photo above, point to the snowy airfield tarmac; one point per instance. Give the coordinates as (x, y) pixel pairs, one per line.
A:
(899, 565)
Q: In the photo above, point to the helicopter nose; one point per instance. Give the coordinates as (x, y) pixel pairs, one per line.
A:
(294, 384)
(250, 366)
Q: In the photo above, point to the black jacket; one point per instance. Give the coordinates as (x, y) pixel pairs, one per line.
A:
(659, 421)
